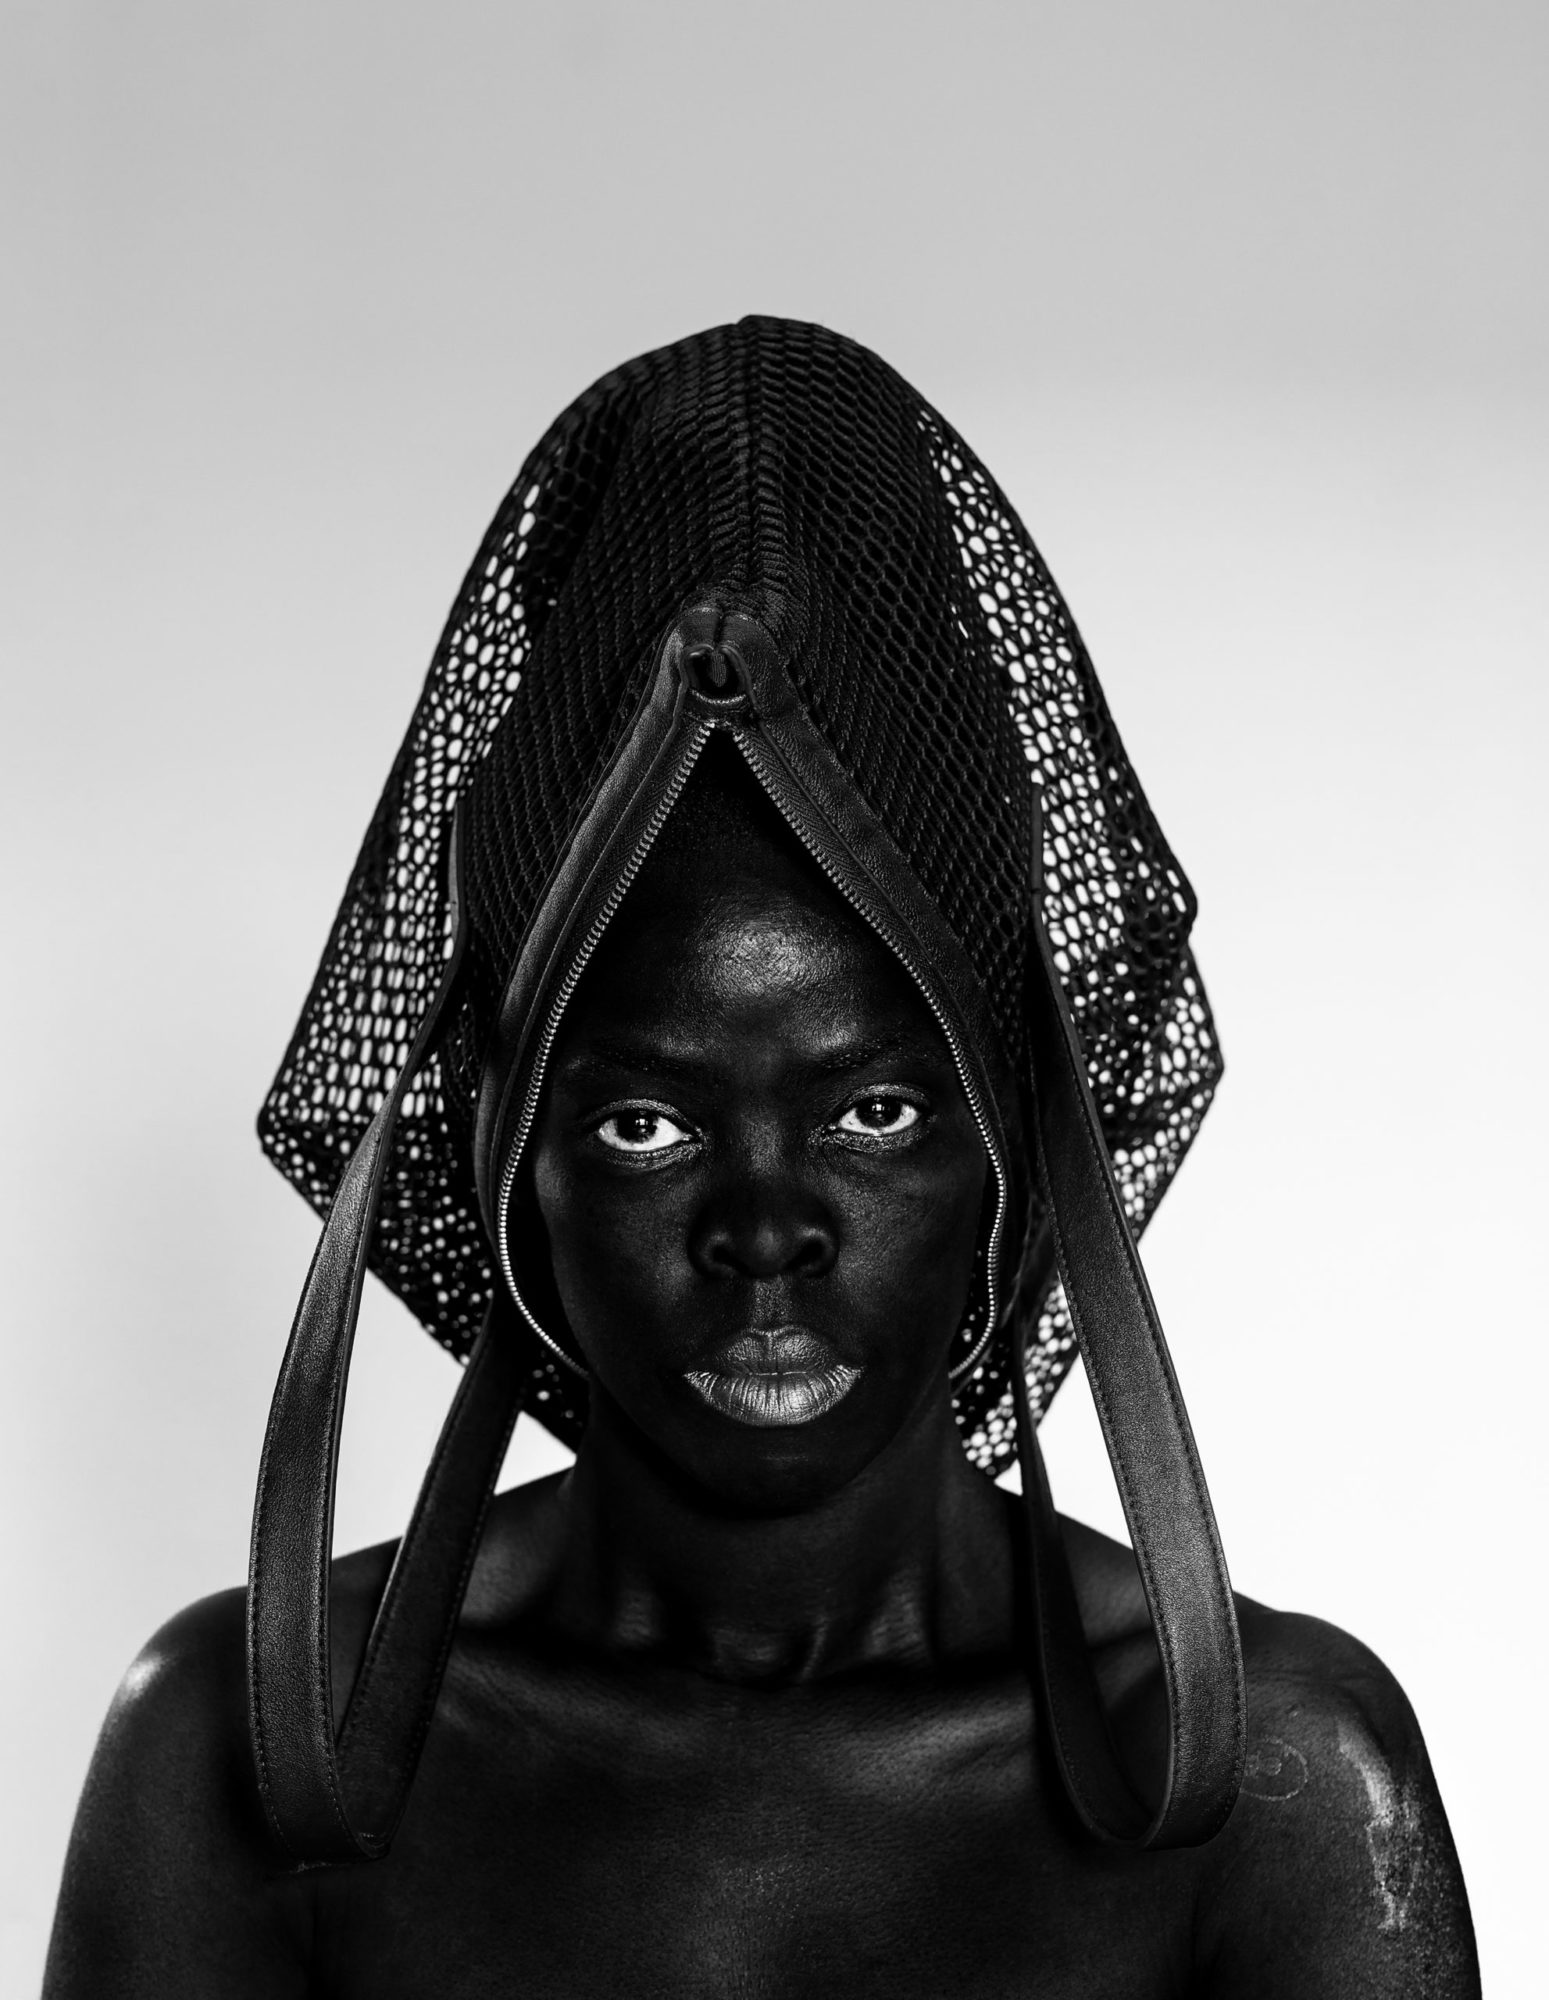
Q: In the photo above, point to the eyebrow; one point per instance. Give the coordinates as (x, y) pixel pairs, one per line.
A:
(607, 1055)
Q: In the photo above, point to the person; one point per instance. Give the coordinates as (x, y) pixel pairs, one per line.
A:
(759, 1023)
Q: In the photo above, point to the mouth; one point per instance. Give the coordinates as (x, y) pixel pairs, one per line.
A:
(775, 1377)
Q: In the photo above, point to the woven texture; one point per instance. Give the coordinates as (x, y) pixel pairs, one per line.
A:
(785, 466)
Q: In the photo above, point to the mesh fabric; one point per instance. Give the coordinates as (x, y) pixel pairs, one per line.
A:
(790, 468)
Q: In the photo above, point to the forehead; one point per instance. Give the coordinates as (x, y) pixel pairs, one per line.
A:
(752, 946)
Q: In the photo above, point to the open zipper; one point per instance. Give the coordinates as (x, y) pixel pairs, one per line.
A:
(698, 735)
(338, 1800)
(809, 827)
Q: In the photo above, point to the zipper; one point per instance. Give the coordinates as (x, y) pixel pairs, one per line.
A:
(699, 736)
(774, 784)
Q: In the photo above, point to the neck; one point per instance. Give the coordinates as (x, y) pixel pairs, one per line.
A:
(909, 1564)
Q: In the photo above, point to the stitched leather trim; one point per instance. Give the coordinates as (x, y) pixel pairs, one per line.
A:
(607, 834)
(813, 789)
(329, 1802)
(1156, 1468)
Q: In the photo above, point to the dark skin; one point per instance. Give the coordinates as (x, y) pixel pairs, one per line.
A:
(743, 1708)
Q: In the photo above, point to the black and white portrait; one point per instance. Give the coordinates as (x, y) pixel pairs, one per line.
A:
(774, 879)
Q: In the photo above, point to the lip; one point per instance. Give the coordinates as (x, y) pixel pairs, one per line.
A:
(772, 1378)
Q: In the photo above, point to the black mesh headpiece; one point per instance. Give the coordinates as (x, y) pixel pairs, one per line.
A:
(788, 467)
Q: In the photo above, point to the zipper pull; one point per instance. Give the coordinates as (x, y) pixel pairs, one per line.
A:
(727, 663)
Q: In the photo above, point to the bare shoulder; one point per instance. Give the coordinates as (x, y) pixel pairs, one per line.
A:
(169, 1886)
(182, 1706)
(174, 1745)
(1337, 1872)
(1322, 1704)
(172, 1883)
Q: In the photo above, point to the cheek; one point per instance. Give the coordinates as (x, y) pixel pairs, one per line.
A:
(613, 1246)
(910, 1242)
(622, 1272)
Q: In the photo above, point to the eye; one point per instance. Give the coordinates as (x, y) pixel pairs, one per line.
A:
(880, 1117)
(641, 1128)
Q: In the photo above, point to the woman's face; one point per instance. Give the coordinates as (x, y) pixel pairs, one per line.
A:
(760, 1178)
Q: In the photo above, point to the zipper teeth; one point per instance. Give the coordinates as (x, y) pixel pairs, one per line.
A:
(889, 937)
(702, 733)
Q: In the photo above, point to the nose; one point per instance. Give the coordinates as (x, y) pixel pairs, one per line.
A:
(763, 1226)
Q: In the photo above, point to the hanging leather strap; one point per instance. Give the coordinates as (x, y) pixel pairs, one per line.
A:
(340, 1800)
(1157, 1469)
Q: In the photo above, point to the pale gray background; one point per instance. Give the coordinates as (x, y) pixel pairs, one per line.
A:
(1245, 305)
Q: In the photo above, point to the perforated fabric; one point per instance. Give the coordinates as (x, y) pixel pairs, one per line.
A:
(791, 467)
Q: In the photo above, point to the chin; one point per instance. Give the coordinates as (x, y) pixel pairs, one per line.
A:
(772, 1491)
(768, 1469)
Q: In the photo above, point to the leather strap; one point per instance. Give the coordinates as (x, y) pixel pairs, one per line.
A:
(340, 1800)
(645, 764)
(1156, 1468)
(334, 1800)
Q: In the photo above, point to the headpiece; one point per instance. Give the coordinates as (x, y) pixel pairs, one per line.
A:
(762, 531)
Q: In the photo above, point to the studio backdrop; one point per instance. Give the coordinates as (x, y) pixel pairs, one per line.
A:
(1246, 311)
